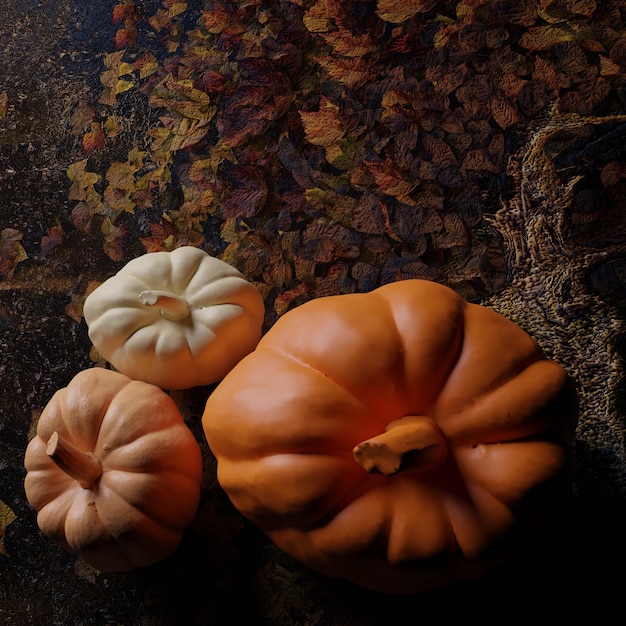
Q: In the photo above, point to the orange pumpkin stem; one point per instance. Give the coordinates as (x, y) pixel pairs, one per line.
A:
(410, 443)
(172, 307)
(82, 466)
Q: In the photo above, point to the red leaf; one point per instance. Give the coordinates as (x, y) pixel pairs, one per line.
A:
(390, 181)
(125, 10)
(94, 139)
(126, 37)
(284, 300)
(248, 190)
(50, 241)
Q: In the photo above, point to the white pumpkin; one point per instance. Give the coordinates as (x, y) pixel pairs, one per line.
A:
(175, 319)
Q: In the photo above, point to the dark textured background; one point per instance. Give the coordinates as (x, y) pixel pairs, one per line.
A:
(514, 195)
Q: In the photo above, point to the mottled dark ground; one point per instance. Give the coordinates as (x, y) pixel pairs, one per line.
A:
(534, 228)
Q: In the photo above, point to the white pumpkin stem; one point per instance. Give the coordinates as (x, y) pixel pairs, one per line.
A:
(82, 466)
(409, 443)
(172, 307)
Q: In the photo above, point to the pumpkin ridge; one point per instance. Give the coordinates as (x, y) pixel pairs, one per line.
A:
(144, 508)
(199, 295)
(310, 367)
(453, 361)
(148, 519)
(185, 279)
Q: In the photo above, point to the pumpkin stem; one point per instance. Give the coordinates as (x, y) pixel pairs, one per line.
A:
(82, 466)
(409, 443)
(172, 307)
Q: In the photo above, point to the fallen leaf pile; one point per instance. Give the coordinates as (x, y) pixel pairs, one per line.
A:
(330, 146)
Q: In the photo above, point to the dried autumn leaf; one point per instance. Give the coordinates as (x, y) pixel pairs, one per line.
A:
(122, 175)
(325, 240)
(50, 241)
(4, 104)
(115, 239)
(125, 37)
(353, 72)
(82, 118)
(112, 126)
(82, 180)
(284, 299)
(390, 181)
(162, 237)
(147, 65)
(11, 251)
(503, 111)
(248, 190)
(323, 127)
(346, 43)
(318, 18)
(7, 516)
(398, 12)
(541, 38)
(83, 212)
(581, 7)
(94, 139)
(125, 11)
(609, 68)
(367, 216)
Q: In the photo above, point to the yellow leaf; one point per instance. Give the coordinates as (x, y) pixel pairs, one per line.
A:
(123, 85)
(112, 126)
(177, 8)
(113, 59)
(398, 12)
(6, 517)
(124, 68)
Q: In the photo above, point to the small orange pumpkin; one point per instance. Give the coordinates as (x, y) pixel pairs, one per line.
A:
(113, 471)
(400, 438)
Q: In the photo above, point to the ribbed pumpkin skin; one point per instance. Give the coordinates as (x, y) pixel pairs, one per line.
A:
(176, 319)
(338, 371)
(135, 513)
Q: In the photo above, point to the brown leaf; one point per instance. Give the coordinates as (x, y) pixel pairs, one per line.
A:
(94, 139)
(115, 239)
(161, 238)
(398, 12)
(50, 241)
(248, 190)
(541, 38)
(581, 7)
(390, 181)
(367, 216)
(503, 111)
(82, 118)
(324, 126)
(325, 240)
(353, 72)
(284, 299)
(11, 251)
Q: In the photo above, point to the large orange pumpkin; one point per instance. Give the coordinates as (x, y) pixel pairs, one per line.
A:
(401, 438)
